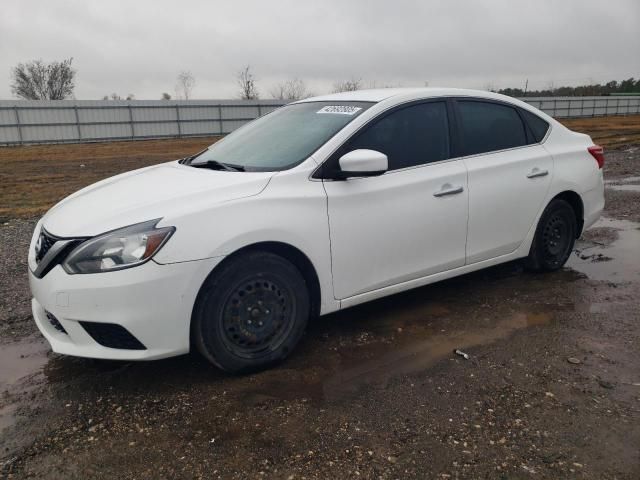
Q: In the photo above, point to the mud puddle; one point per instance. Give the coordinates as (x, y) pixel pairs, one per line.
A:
(617, 261)
(415, 357)
(621, 181)
(21, 367)
(625, 188)
(347, 372)
(627, 184)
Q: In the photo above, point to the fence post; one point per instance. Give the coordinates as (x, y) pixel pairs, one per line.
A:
(75, 109)
(15, 110)
(259, 110)
(178, 121)
(133, 132)
(220, 118)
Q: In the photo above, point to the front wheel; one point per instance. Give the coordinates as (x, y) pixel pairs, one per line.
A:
(251, 313)
(554, 238)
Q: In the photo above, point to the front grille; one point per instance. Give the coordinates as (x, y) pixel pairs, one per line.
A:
(112, 335)
(55, 323)
(61, 248)
(45, 242)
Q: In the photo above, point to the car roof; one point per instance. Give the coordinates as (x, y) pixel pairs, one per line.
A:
(392, 96)
(380, 94)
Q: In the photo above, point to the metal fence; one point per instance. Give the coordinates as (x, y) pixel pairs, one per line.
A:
(72, 121)
(575, 107)
(60, 121)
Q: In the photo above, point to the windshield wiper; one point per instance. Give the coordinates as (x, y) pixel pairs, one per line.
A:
(216, 165)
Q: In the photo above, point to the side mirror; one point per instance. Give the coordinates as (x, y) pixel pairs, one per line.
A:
(362, 163)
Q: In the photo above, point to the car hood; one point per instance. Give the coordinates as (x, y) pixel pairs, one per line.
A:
(147, 194)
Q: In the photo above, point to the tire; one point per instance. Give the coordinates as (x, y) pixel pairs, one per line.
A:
(251, 313)
(554, 238)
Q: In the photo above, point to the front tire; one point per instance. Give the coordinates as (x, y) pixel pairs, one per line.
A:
(554, 238)
(251, 313)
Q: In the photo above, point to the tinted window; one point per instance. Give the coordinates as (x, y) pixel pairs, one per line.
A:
(537, 125)
(410, 136)
(485, 127)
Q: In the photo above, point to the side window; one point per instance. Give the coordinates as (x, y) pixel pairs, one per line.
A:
(537, 125)
(486, 127)
(410, 136)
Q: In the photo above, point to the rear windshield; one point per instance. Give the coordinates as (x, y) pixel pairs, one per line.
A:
(283, 138)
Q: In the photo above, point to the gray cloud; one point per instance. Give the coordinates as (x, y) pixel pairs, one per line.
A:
(140, 46)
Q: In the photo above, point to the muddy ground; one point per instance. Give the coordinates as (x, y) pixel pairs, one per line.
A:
(551, 389)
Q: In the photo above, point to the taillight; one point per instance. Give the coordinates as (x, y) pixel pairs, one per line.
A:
(598, 153)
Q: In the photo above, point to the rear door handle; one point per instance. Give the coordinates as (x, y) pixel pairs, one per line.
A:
(536, 172)
(447, 189)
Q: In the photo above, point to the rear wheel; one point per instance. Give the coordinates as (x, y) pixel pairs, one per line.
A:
(251, 313)
(554, 238)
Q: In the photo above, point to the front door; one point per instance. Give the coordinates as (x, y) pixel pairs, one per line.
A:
(408, 223)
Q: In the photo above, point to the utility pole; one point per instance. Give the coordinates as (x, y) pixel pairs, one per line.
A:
(526, 85)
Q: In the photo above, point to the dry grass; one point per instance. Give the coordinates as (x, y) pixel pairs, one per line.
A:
(610, 132)
(33, 178)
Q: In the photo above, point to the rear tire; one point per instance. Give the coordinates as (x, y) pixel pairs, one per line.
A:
(251, 313)
(554, 238)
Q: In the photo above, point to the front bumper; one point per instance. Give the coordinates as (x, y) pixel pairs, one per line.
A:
(153, 302)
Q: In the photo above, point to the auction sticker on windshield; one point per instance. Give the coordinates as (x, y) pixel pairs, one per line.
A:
(340, 109)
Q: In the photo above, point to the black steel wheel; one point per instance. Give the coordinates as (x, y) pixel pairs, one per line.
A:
(255, 316)
(251, 312)
(554, 237)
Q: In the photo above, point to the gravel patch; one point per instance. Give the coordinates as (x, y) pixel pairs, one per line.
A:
(15, 306)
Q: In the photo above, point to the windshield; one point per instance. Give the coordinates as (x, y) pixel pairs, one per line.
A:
(282, 139)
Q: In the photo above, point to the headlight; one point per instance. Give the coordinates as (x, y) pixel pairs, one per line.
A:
(118, 249)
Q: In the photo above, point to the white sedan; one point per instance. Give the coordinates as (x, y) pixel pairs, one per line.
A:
(321, 205)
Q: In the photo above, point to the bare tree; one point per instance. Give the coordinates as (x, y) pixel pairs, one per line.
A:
(113, 96)
(166, 96)
(37, 80)
(551, 86)
(293, 89)
(185, 83)
(347, 85)
(247, 83)
(377, 84)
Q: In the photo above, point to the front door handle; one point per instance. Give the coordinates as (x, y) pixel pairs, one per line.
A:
(448, 189)
(536, 172)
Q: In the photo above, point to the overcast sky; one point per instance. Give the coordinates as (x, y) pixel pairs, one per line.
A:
(139, 46)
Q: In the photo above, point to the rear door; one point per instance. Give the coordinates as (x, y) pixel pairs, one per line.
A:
(509, 176)
(408, 223)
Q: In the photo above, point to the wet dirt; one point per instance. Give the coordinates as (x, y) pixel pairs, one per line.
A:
(374, 391)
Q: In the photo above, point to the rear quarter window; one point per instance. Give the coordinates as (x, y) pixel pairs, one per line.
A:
(537, 126)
